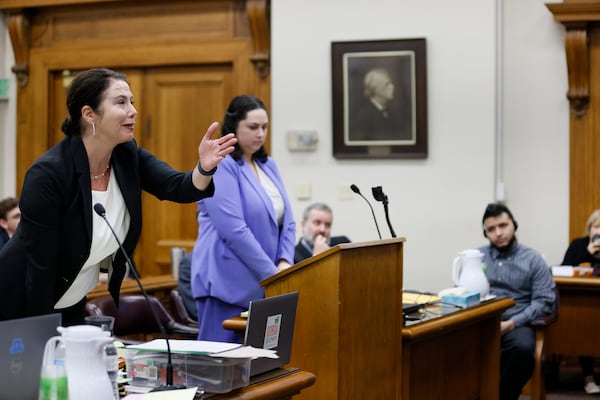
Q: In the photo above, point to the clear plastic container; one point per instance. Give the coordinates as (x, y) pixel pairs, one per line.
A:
(211, 374)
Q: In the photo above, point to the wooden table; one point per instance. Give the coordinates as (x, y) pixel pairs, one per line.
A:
(457, 353)
(577, 331)
(159, 286)
(271, 386)
(454, 356)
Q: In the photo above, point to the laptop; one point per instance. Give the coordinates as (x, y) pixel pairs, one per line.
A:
(271, 326)
(22, 343)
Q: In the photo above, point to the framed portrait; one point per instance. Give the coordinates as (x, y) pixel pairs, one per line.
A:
(379, 99)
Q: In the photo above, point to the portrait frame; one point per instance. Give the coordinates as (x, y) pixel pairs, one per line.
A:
(370, 120)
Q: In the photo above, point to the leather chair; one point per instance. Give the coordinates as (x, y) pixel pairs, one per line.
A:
(536, 387)
(134, 320)
(181, 313)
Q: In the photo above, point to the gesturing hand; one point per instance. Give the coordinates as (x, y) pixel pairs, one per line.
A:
(212, 151)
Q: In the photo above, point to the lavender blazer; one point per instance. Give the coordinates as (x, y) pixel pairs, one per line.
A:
(239, 241)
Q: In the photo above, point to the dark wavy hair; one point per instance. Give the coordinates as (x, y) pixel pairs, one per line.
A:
(87, 89)
(494, 210)
(237, 111)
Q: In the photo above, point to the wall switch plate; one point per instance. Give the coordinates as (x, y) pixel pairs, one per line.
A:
(303, 191)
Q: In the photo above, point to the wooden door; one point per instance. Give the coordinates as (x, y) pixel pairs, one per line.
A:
(179, 104)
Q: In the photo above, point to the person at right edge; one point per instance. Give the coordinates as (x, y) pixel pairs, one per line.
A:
(586, 250)
(520, 273)
(246, 232)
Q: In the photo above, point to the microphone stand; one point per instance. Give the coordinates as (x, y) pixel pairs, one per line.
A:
(99, 209)
(356, 190)
(380, 196)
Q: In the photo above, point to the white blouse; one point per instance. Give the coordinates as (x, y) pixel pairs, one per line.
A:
(273, 193)
(104, 246)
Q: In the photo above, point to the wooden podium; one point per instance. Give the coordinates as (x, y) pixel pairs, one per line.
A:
(349, 319)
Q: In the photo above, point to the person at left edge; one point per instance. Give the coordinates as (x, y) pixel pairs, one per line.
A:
(54, 258)
(246, 231)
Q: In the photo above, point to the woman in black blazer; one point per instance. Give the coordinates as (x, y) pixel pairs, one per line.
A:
(54, 258)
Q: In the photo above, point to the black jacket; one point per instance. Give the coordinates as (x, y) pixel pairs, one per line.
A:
(302, 252)
(53, 239)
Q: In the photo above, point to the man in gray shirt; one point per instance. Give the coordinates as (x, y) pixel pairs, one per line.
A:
(520, 273)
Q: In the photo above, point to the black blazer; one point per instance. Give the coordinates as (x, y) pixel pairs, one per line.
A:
(302, 252)
(53, 239)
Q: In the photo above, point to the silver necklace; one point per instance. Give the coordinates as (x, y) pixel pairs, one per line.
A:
(102, 174)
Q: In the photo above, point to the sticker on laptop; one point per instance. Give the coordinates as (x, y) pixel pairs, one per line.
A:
(272, 331)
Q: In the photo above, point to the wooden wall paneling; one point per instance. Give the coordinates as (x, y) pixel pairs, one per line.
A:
(582, 50)
(180, 104)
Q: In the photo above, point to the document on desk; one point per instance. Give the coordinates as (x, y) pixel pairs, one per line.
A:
(181, 394)
(202, 347)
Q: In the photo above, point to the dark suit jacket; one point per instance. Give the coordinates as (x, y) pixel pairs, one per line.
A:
(53, 239)
(3, 238)
(185, 285)
(302, 252)
(370, 123)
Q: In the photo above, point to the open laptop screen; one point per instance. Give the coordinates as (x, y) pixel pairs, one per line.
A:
(22, 343)
(271, 326)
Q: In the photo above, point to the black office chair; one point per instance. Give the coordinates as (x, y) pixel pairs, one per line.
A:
(181, 312)
(134, 321)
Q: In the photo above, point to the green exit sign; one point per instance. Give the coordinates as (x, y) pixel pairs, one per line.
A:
(3, 88)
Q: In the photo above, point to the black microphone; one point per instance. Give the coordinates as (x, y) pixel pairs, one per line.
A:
(355, 190)
(99, 208)
(380, 196)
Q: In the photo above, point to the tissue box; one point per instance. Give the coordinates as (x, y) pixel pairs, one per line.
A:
(462, 300)
(212, 374)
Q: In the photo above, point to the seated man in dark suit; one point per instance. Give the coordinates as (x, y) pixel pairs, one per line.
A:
(10, 216)
(316, 231)
(184, 286)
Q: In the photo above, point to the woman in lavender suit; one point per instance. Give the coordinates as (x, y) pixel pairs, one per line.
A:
(246, 230)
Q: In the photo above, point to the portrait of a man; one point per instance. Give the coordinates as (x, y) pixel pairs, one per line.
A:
(379, 98)
(380, 101)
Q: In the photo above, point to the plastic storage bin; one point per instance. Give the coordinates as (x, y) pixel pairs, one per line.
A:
(212, 374)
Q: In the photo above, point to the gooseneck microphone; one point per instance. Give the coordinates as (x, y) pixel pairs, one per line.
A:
(355, 189)
(380, 196)
(99, 209)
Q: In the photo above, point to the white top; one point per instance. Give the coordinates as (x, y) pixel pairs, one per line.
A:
(273, 193)
(104, 246)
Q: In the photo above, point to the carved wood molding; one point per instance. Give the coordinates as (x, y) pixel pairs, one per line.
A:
(576, 45)
(577, 19)
(258, 16)
(18, 28)
(258, 13)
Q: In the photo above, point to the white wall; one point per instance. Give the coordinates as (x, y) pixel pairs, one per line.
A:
(437, 202)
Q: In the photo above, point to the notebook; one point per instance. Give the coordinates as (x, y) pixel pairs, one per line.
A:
(271, 326)
(22, 343)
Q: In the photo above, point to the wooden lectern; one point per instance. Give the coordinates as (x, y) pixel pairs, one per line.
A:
(349, 319)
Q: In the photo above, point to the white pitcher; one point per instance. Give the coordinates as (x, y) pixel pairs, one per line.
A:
(467, 272)
(84, 362)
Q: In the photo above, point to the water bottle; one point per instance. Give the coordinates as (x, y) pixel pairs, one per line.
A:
(111, 358)
(53, 379)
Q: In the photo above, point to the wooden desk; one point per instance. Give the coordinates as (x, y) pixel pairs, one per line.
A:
(159, 286)
(577, 331)
(457, 353)
(271, 387)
